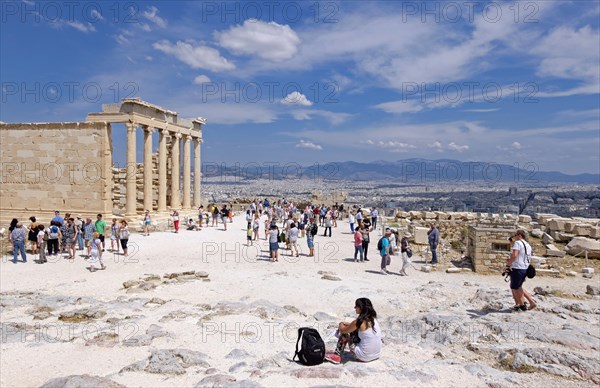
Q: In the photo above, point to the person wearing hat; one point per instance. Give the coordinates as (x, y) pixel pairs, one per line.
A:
(404, 252)
(385, 251)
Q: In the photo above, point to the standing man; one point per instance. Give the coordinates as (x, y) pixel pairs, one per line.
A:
(17, 237)
(374, 215)
(434, 238)
(58, 220)
(100, 226)
(385, 251)
(518, 262)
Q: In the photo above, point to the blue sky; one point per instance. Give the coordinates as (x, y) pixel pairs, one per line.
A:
(314, 82)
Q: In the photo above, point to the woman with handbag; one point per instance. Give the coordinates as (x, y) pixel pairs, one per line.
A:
(124, 236)
(405, 251)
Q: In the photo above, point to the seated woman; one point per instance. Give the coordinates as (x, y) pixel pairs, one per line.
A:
(191, 225)
(363, 335)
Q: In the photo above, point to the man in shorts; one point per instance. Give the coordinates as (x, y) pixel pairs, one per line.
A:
(100, 226)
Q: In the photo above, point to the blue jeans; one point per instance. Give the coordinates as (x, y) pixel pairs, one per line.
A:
(358, 249)
(80, 240)
(19, 246)
(352, 227)
(434, 259)
(374, 222)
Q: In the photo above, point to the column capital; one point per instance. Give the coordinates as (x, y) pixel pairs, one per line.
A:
(148, 128)
(131, 126)
(176, 135)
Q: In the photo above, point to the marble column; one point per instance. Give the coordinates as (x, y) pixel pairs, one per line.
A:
(197, 172)
(131, 191)
(186, 172)
(175, 201)
(148, 167)
(162, 170)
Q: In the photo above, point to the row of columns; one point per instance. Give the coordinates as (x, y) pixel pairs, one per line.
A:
(131, 195)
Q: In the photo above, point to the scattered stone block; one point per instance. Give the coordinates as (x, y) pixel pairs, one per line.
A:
(330, 277)
(571, 273)
(453, 270)
(552, 250)
(592, 290)
(547, 239)
(538, 233)
(579, 244)
(425, 268)
(587, 270)
(420, 235)
(523, 218)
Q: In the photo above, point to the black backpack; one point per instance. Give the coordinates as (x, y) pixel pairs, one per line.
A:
(380, 243)
(313, 347)
(314, 230)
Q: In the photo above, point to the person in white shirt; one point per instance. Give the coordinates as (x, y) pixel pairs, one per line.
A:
(351, 221)
(518, 264)
(362, 335)
(293, 238)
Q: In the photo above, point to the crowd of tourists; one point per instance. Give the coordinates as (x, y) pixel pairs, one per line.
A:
(64, 236)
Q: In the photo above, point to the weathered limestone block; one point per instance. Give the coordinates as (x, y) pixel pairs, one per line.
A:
(441, 216)
(543, 218)
(420, 235)
(547, 239)
(552, 250)
(523, 218)
(537, 233)
(579, 244)
(595, 232)
(430, 215)
(582, 230)
(558, 224)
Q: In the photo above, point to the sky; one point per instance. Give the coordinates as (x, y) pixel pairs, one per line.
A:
(318, 82)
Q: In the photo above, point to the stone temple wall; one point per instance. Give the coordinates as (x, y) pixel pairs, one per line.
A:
(50, 166)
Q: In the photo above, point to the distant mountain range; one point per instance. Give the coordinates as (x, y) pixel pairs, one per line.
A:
(414, 171)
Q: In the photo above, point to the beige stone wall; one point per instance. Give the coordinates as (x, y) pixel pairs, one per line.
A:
(480, 248)
(48, 166)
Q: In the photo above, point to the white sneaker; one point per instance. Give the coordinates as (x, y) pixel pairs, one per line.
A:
(384, 272)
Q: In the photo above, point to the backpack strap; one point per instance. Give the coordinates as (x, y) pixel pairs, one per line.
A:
(300, 330)
(525, 247)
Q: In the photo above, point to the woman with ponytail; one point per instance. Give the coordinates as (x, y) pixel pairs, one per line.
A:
(363, 335)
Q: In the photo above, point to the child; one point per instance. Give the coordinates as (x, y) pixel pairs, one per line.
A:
(42, 239)
(96, 253)
(249, 232)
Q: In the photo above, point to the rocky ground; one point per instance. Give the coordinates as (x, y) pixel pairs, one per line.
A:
(201, 309)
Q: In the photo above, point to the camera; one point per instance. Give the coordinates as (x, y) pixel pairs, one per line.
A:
(506, 271)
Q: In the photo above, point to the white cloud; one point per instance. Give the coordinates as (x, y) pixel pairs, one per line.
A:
(148, 58)
(121, 39)
(414, 106)
(151, 14)
(459, 148)
(481, 110)
(271, 41)
(296, 98)
(196, 56)
(516, 145)
(96, 15)
(569, 53)
(308, 144)
(437, 146)
(201, 79)
(391, 145)
(334, 118)
(87, 27)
